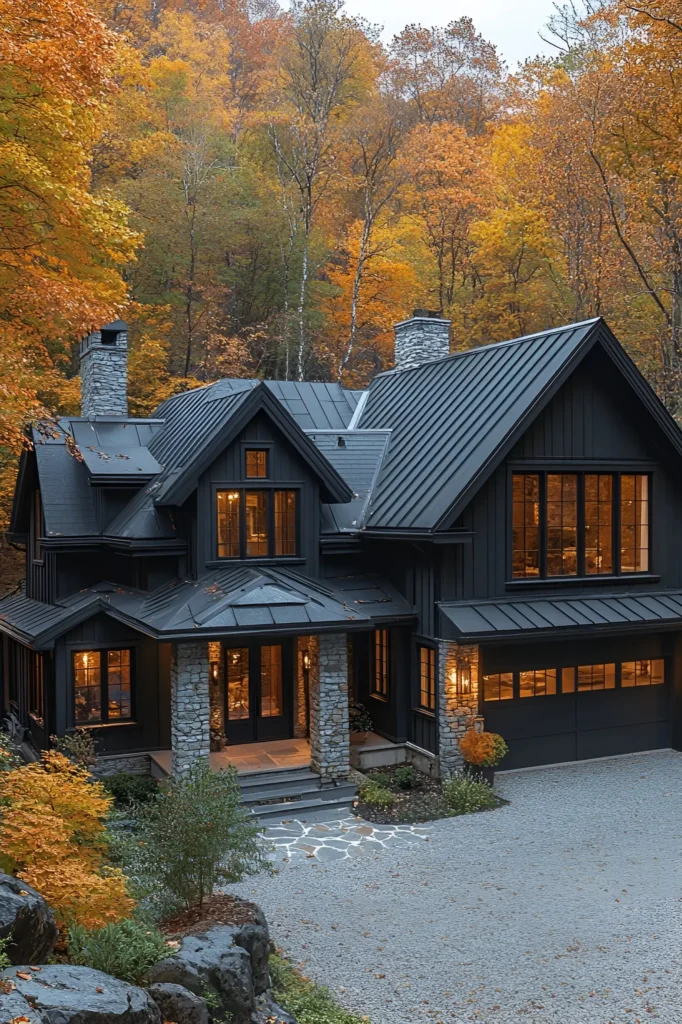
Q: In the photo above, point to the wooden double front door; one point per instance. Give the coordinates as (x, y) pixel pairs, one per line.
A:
(259, 692)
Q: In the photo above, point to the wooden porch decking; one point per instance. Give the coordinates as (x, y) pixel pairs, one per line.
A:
(268, 756)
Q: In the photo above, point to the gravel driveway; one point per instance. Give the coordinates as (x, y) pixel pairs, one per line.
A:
(562, 907)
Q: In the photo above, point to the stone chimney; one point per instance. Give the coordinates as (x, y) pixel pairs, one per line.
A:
(104, 371)
(421, 339)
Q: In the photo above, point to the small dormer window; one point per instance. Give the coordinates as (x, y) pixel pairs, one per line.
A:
(256, 463)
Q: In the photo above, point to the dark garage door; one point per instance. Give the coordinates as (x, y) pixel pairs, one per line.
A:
(571, 713)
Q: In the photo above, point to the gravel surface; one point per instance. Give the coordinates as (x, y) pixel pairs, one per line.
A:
(562, 907)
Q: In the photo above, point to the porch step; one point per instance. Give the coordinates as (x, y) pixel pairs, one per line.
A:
(294, 793)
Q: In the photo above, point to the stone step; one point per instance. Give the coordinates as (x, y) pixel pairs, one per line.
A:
(272, 785)
(344, 791)
(315, 808)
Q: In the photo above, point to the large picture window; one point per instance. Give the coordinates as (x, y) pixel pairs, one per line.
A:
(579, 524)
(256, 523)
(102, 686)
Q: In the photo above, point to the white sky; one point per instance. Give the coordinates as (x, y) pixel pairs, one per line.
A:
(512, 26)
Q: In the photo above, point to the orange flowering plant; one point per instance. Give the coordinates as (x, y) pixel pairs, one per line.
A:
(482, 748)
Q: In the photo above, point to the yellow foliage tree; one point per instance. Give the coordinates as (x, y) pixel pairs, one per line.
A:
(52, 835)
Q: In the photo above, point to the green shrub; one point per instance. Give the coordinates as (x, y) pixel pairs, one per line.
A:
(376, 795)
(78, 746)
(407, 777)
(463, 795)
(195, 834)
(127, 949)
(5, 961)
(307, 1002)
(129, 789)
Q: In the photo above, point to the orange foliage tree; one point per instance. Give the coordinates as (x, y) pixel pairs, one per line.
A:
(52, 835)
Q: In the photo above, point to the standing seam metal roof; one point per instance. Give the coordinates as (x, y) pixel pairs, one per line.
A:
(447, 419)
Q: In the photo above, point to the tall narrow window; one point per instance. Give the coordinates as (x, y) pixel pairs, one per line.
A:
(256, 519)
(562, 524)
(598, 523)
(271, 681)
(634, 522)
(427, 678)
(238, 700)
(380, 675)
(256, 462)
(228, 524)
(285, 522)
(525, 524)
(102, 686)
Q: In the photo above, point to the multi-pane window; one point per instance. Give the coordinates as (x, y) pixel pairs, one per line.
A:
(526, 524)
(499, 686)
(271, 681)
(596, 677)
(427, 678)
(634, 522)
(562, 524)
(642, 673)
(380, 673)
(579, 524)
(256, 460)
(537, 682)
(256, 524)
(102, 686)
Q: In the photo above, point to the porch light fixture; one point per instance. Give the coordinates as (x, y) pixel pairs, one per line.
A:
(460, 677)
(306, 661)
(215, 671)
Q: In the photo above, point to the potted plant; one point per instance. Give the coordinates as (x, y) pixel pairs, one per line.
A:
(360, 722)
(482, 752)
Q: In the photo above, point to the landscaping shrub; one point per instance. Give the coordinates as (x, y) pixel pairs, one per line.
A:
(407, 777)
(9, 759)
(307, 1002)
(5, 961)
(376, 795)
(195, 834)
(52, 835)
(78, 746)
(127, 949)
(483, 748)
(127, 788)
(463, 795)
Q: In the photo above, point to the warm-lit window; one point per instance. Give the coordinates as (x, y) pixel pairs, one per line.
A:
(525, 524)
(427, 678)
(271, 681)
(564, 524)
(598, 523)
(642, 673)
(380, 674)
(256, 524)
(102, 686)
(499, 686)
(256, 462)
(568, 680)
(634, 522)
(228, 505)
(596, 677)
(285, 522)
(237, 672)
(538, 682)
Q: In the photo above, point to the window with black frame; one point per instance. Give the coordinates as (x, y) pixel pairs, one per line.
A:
(379, 676)
(256, 523)
(579, 524)
(102, 682)
(571, 679)
(427, 678)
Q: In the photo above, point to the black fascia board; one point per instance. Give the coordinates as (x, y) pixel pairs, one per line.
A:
(260, 397)
(531, 413)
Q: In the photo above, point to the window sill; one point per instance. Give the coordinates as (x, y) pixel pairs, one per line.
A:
(582, 581)
(426, 712)
(106, 725)
(379, 696)
(220, 563)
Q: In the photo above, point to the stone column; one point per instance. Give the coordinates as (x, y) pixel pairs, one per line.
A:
(329, 727)
(457, 701)
(307, 651)
(217, 694)
(190, 705)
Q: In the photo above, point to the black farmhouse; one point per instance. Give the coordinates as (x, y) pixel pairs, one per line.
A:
(490, 535)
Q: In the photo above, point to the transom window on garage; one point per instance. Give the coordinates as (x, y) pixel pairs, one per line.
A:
(579, 524)
(548, 682)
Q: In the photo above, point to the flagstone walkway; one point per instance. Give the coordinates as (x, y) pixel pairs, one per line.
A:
(323, 842)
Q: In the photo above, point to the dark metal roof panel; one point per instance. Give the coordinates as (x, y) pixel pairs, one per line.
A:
(357, 456)
(315, 405)
(449, 417)
(68, 500)
(480, 620)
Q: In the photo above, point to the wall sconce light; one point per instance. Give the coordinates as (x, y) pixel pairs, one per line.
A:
(306, 661)
(215, 671)
(460, 677)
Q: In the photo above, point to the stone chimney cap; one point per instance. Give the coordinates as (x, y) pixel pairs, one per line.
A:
(115, 325)
(426, 314)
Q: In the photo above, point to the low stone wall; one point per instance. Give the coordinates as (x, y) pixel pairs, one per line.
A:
(133, 764)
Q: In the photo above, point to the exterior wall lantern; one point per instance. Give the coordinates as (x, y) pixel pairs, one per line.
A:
(215, 671)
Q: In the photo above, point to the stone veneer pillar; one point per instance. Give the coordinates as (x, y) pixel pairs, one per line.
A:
(104, 371)
(305, 645)
(329, 726)
(190, 705)
(217, 693)
(457, 711)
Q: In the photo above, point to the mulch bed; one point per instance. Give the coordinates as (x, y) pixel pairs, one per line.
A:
(423, 803)
(218, 909)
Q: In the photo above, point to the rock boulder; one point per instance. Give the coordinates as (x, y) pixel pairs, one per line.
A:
(27, 919)
(178, 1004)
(13, 1006)
(64, 994)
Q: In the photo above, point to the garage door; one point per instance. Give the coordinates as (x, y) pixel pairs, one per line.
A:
(569, 713)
